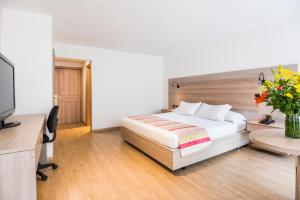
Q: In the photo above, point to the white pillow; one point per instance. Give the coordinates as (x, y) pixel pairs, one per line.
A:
(235, 117)
(213, 112)
(187, 108)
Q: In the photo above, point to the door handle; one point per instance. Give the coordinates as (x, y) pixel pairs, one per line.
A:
(55, 99)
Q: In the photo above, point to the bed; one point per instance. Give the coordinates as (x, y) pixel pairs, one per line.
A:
(235, 88)
(164, 147)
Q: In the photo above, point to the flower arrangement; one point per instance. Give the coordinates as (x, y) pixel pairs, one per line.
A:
(283, 93)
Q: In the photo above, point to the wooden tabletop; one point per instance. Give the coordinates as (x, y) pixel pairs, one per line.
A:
(275, 139)
(24, 136)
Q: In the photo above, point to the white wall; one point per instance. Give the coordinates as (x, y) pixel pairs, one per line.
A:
(267, 46)
(123, 84)
(1, 7)
(26, 40)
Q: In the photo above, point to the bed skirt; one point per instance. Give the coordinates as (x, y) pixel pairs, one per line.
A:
(172, 159)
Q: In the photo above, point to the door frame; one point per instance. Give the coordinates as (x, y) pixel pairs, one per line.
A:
(57, 61)
(91, 94)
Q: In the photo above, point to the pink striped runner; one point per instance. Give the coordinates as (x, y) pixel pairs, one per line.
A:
(191, 138)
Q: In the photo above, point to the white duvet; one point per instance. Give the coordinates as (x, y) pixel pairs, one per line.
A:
(216, 129)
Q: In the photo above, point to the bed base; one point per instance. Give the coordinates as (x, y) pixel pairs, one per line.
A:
(172, 159)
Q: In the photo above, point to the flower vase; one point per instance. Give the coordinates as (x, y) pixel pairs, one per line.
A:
(292, 126)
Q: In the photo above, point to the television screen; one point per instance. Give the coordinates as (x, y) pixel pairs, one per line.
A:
(7, 101)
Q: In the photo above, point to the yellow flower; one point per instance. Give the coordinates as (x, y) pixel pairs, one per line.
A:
(286, 74)
(280, 68)
(289, 95)
(296, 78)
(268, 83)
(297, 86)
(277, 77)
(262, 88)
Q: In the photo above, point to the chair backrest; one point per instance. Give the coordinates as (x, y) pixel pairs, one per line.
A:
(52, 121)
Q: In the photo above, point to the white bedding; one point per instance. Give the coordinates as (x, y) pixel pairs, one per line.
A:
(216, 129)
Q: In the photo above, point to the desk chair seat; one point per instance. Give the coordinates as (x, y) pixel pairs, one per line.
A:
(52, 126)
(46, 139)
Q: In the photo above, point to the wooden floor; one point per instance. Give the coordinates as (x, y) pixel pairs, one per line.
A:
(102, 166)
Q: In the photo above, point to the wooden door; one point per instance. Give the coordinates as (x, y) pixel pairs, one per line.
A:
(68, 94)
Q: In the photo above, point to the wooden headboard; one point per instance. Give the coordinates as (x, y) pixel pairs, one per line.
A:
(236, 88)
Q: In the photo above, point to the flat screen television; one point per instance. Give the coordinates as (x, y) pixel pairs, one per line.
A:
(7, 92)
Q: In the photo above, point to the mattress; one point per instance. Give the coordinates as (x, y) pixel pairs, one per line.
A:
(216, 129)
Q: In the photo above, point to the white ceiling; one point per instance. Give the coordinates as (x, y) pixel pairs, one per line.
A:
(156, 27)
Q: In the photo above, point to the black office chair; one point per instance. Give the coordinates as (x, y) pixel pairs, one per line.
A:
(52, 126)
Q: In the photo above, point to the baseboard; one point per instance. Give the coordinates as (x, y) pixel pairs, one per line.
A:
(116, 128)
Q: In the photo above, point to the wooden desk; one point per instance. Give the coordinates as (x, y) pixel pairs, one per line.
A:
(274, 139)
(20, 149)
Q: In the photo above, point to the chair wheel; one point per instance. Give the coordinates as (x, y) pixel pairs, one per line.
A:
(54, 166)
(44, 177)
